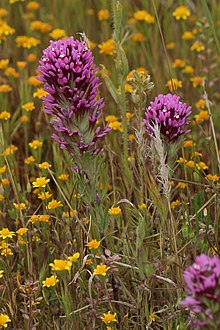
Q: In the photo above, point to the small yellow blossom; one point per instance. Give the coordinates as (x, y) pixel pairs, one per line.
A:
(11, 72)
(1, 197)
(116, 126)
(4, 319)
(1, 273)
(197, 81)
(196, 154)
(28, 106)
(63, 177)
(40, 182)
(107, 47)
(44, 195)
(24, 119)
(142, 206)
(59, 265)
(50, 281)
(5, 182)
(111, 118)
(32, 5)
(213, 178)
(20, 206)
(143, 15)
(202, 116)
(188, 144)
(103, 14)
(6, 252)
(5, 115)
(3, 169)
(21, 64)
(5, 88)
(6, 233)
(109, 317)
(140, 71)
(178, 63)
(188, 35)
(41, 26)
(57, 34)
(26, 42)
(89, 262)
(29, 160)
(22, 231)
(190, 163)
(4, 63)
(129, 115)
(101, 270)
(3, 12)
(35, 144)
(5, 30)
(114, 210)
(44, 165)
(181, 12)
(198, 46)
(174, 204)
(40, 93)
(31, 57)
(93, 244)
(74, 257)
(188, 69)
(131, 137)
(201, 166)
(174, 84)
(54, 204)
(70, 214)
(152, 316)
(181, 185)
(201, 104)
(33, 81)
(138, 37)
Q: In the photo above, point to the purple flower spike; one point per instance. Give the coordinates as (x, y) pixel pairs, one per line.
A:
(169, 114)
(203, 286)
(69, 74)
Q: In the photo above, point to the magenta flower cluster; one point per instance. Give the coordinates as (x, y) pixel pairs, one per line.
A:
(203, 286)
(169, 114)
(69, 74)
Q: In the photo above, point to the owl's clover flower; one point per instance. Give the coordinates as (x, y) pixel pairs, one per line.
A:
(203, 286)
(69, 75)
(169, 115)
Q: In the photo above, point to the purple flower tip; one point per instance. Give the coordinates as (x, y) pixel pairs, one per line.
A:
(69, 74)
(169, 114)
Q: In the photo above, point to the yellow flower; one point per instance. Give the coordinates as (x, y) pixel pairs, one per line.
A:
(4, 63)
(181, 12)
(143, 15)
(11, 72)
(22, 231)
(197, 81)
(4, 319)
(5, 88)
(29, 160)
(107, 47)
(40, 182)
(44, 195)
(28, 106)
(129, 115)
(109, 317)
(31, 57)
(114, 210)
(196, 154)
(3, 169)
(198, 46)
(178, 63)
(50, 281)
(44, 165)
(1, 197)
(93, 244)
(5, 115)
(181, 185)
(213, 178)
(57, 34)
(89, 262)
(170, 45)
(188, 69)
(70, 214)
(116, 126)
(142, 206)
(131, 137)
(1, 273)
(74, 257)
(202, 116)
(6, 252)
(201, 104)
(20, 206)
(5, 182)
(3, 12)
(21, 64)
(24, 119)
(174, 84)
(188, 35)
(63, 177)
(101, 270)
(140, 71)
(201, 166)
(35, 144)
(59, 265)
(174, 204)
(6, 233)
(33, 81)
(32, 5)
(26, 42)
(138, 37)
(54, 204)
(103, 14)
(41, 26)
(40, 93)
(190, 164)
(44, 218)
(111, 118)
(5, 30)
(152, 316)
(188, 144)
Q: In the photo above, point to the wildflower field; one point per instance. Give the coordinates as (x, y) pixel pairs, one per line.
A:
(109, 164)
